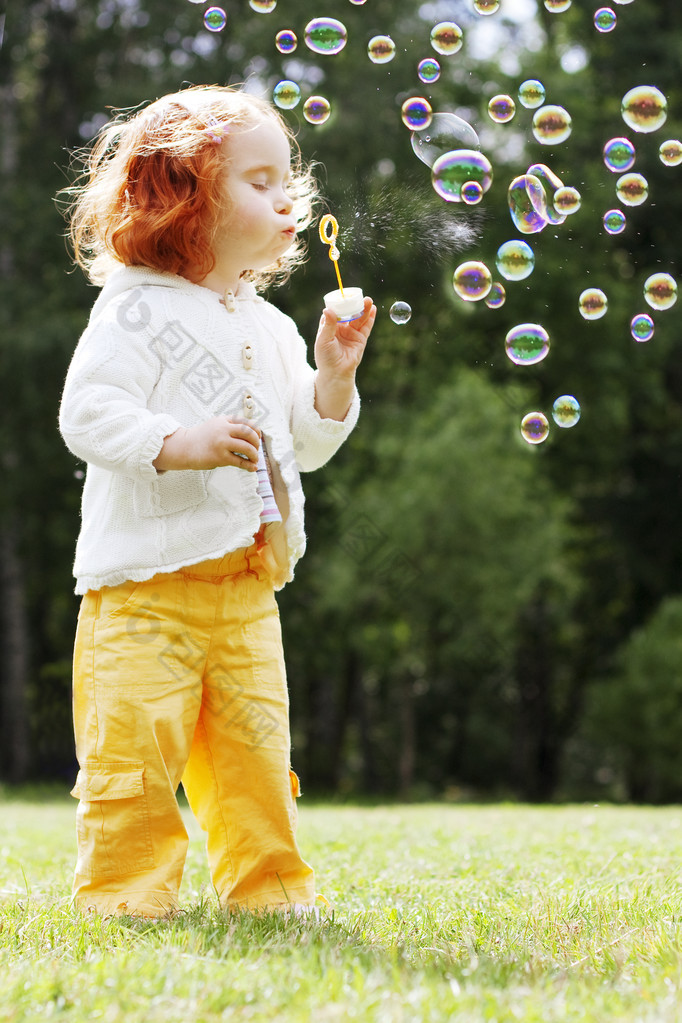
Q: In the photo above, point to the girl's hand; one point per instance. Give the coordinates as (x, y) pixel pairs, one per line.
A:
(339, 347)
(223, 440)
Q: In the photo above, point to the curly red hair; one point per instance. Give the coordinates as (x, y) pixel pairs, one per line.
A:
(152, 189)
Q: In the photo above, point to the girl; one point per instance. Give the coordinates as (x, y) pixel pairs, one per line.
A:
(191, 400)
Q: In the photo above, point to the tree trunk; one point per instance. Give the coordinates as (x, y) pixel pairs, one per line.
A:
(14, 726)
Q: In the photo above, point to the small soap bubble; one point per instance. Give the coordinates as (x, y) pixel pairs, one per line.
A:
(526, 344)
(660, 291)
(497, 296)
(454, 170)
(619, 155)
(531, 94)
(316, 109)
(446, 133)
(593, 304)
(416, 113)
(567, 200)
(286, 41)
(642, 327)
(557, 6)
(501, 108)
(614, 221)
(472, 281)
(428, 70)
(381, 49)
(215, 19)
(286, 95)
(325, 35)
(566, 411)
(263, 6)
(446, 38)
(471, 192)
(670, 152)
(515, 260)
(527, 200)
(486, 6)
(534, 425)
(632, 189)
(644, 108)
(605, 19)
(551, 125)
(400, 312)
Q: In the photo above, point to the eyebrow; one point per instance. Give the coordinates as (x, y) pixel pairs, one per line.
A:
(265, 167)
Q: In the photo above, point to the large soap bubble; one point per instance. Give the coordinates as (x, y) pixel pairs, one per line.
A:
(660, 291)
(215, 19)
(317, 109)
(644, 108)
(551, 125)
(528, 204)
(551, 183)
(605, 19)
(670, 152)
(501, 108)
(472, 280)
(416, 113)
(286, 94)
(454, 170)
(446, 133)
(531, 94)
(515, 260)
(632, 189)
(526, 344)
(325, 35)
(446, 38)
(593, 304)
(381, 49)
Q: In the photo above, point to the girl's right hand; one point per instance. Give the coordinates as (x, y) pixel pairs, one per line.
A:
(224, 440)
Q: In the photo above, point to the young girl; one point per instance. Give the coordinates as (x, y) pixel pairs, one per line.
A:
(191, 400)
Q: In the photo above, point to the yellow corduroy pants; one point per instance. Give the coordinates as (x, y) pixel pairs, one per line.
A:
(182, 678)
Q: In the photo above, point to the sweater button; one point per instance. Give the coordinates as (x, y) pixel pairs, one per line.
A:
(249, 405)
(247, 357)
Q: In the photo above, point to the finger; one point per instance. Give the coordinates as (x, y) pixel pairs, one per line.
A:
(241, 421)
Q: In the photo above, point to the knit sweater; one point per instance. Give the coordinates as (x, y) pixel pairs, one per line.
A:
(161, 353)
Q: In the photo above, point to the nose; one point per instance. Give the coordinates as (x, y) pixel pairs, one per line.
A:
(284, 203)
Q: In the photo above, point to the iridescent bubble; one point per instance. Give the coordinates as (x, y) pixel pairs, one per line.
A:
(642, 327)
(614, 221)
(534, 425)
(486, 6)
(215, 19)
(551, 125)
(472, 281)
(400, 312)
(619, 155)
(605, 19)
(526, 344)
(325, 35)
(632, 189)
(381, 49)
(515, 260)
(660, 291)
(501, 108)
(317, 109)
(416, 113)
(593, 304)
(670, 152)
(286, 95)
(471, 192)
(567, 200)
(557, 6)
(454, 170)
(358, 2)
(446, 38)
(428, 70)
(531, 94)
(644, 108)
(526, 196)
(446, 133)
(286, 41)
(551, 184)
(566, 411)
(497, 296)
(263, 6)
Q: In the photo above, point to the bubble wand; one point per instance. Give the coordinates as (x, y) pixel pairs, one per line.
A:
(348, 304)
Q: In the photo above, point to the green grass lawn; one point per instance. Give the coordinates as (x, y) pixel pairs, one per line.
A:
(441, 912)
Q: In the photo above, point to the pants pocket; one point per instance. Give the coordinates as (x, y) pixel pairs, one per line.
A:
(112, 822)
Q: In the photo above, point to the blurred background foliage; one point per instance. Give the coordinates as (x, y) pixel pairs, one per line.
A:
(474, 617)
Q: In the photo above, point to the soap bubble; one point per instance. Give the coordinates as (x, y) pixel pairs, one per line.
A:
(527, 200)
(567, 200)
(446, 38)
(471, 192)
(381, 49)
(416, 113)
(286, 41)
(531, 94)
(660, 291)
(593, 304)
(614, 221)
(428, 70)
(446, 133)
(534, 425)
(501, 108)
(215, 19)
(551, 125)
(472, 280)
(526, 344)
(454, 170)
(642, 327)
(551, 184)
(515, 260)
(316, 109)
(497, 296)
(325, 35)
(605, 19)
(486, 6)
(400, 312)
(619, 155)
(263, 6)
(557, 6)
(566, 411)
(644, 108)
(286, 95)
(670, 152)
(632, 189)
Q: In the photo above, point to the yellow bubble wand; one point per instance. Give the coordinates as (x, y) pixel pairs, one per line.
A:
(329, 232)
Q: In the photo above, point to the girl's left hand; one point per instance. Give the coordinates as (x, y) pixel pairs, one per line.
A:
(339, 347)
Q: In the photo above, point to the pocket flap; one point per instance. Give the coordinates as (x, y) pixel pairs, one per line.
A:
(109, 781)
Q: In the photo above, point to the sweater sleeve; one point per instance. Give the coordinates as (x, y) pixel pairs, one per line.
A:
(103, 416)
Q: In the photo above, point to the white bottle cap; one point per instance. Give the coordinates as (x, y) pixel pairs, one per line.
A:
(348, 305)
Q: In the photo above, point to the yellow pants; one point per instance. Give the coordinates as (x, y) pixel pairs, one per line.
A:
(182, 678)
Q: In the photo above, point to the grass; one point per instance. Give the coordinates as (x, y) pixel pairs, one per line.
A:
(442, 912)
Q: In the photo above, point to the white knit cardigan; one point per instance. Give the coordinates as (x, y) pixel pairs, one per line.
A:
(160, 353)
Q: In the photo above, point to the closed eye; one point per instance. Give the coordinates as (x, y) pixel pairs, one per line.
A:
(259, 186)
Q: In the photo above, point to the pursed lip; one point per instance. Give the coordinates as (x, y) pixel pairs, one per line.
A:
(290, 232)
